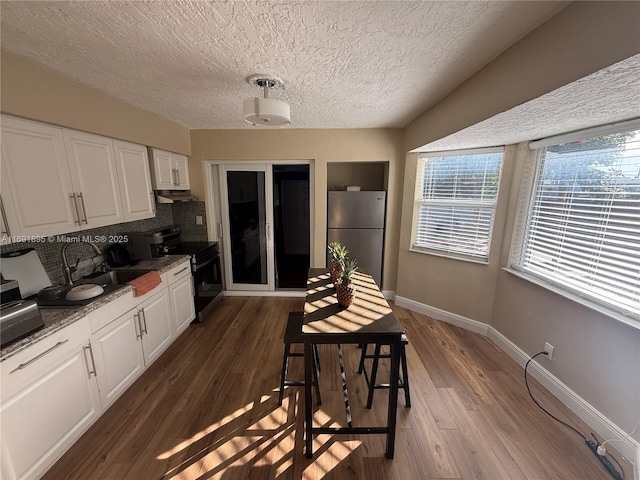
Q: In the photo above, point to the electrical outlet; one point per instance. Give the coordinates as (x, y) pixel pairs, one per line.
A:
(198, 219)
(549, 349)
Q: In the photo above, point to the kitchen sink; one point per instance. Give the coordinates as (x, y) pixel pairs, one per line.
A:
(115, 277)
(111, 281)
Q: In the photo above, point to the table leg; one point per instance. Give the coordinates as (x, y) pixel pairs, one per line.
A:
(308, 401)
(393, 397)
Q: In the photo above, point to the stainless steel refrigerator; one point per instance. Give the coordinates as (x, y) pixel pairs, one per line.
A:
(356, 220)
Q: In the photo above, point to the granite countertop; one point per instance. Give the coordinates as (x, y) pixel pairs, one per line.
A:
(56, 318)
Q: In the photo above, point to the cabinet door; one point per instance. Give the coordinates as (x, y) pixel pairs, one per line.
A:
(182, 307)
(117, 350)
(93, 172)
(164, 177)
(132, 164)
(5, 234)
(36, 183)
(157, 326)
(181, 165)
(44, 419)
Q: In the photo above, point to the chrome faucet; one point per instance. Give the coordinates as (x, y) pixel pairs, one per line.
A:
(66, 268)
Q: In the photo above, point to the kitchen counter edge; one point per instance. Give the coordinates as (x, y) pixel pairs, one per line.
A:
(57, 318)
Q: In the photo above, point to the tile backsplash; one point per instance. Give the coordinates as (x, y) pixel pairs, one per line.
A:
(181, 214)
(184, 215)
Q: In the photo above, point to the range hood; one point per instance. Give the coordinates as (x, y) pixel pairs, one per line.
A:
(175, 196)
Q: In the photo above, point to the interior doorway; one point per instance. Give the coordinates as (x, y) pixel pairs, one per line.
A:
(291, 220)
(261, 216)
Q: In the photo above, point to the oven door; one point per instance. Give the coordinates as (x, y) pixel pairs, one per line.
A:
(207, 279)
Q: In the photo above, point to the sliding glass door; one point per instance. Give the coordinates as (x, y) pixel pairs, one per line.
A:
(247, 214)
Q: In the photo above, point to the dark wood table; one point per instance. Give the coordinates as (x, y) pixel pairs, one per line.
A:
(368, 320)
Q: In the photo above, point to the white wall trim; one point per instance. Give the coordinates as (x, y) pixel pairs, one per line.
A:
(604, 427)
(264, 293)
(587, 412)
(448, 317)
(389, 295)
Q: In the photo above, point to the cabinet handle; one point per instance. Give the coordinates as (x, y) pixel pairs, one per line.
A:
(144, 321)
(268, 230)
(153, 202)
(75, 207)
(178, 273)
(4, 220)
(38, 357)
(175, 181)
(84, 209)
(137, 322)
(178, 177)
(93, 362)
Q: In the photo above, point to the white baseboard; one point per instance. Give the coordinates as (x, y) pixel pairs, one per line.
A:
(448, 317)
(262, 293)
(601, 424)
(587, 412)
(388, 294)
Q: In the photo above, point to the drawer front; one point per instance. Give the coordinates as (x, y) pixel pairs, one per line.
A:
(22, 369)
(180, 271)
(106, 314)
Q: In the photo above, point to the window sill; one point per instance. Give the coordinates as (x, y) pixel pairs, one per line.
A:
(628, 319)
(437, 253)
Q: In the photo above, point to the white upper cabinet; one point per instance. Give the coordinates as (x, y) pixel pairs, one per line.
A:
(170, 171)
(56, 180)
(92, 165)
(181, 163)
(37, 192)
(132, 164)
(5, 234)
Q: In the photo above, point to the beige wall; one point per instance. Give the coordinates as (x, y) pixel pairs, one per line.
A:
(321, 147)
(581, 39)
(36, 93)
(460, 287)
(596, 356)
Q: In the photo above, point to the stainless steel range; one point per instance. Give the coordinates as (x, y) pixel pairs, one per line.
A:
(205, 262)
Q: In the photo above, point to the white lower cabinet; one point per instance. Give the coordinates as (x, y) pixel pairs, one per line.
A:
(118, 355)
(156, 324)
(55, 389)
(125, 347)
(42, 420)
(183, 309)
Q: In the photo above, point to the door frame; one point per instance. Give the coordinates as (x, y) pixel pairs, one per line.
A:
(216, 230)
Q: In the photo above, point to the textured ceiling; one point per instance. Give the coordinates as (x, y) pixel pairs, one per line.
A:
(609, 95)
(346, 64)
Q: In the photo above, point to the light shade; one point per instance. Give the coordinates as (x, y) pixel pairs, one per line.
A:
(266, 111)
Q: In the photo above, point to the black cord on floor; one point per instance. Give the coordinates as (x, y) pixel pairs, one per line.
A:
(526, 382)
(609, 467)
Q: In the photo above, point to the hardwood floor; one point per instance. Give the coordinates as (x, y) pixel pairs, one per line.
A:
(208, 408)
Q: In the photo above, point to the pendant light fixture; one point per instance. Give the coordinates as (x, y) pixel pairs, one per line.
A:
(266, 111)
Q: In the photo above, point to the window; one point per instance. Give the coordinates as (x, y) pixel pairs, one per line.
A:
(582, 230)
(456, 195)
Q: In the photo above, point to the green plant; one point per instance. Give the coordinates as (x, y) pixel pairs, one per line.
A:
(338, 251)
(349, 268)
